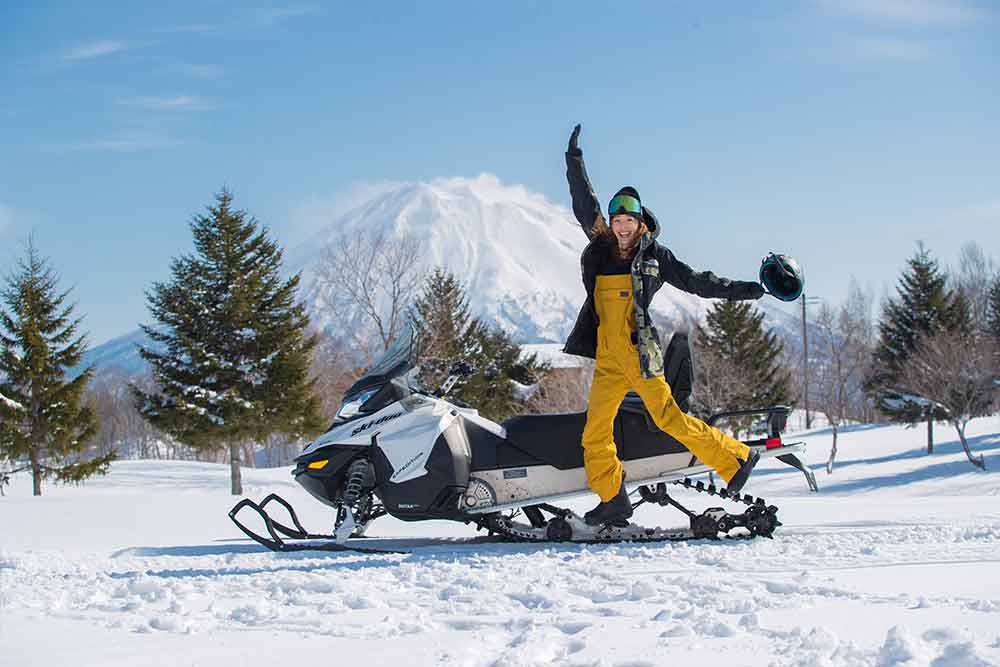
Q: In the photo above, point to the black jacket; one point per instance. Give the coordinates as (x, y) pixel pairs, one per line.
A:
(654, 265)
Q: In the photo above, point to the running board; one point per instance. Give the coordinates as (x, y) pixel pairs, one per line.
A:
(785, 454)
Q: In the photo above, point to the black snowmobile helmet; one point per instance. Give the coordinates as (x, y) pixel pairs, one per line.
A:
(782, 277)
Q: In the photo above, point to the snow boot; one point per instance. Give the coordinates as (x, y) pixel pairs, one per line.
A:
(615, 511)
(743, 474)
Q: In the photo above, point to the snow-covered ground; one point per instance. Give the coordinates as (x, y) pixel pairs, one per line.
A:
(896, 561)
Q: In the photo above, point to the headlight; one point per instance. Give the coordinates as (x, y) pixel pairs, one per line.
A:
(352, 404)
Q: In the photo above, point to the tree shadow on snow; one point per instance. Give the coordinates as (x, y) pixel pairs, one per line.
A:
(986, 445)
(850, 428)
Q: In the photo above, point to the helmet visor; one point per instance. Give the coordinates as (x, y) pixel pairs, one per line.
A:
(624, 204)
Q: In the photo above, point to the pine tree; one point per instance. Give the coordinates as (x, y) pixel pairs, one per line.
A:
(43, 426)
(448, 333)
(444, 327)
(506, 376)
(236, 359)
(734, 332)
(993, 322)
(923, 305)
(993, 310)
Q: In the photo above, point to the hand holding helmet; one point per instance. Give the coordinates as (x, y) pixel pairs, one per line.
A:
(782, 277)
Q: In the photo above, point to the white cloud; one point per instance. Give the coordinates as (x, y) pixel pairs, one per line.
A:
(272, 15)
(916, 12)
(178, 102)
(199, 27)
(199, 71)
(92, 50)
(122, 145)
(891, 48)
(252, 19)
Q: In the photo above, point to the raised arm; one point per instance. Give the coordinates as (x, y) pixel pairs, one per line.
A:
(586, 207)
(705, 283)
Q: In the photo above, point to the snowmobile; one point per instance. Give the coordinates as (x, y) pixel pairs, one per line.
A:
(395, 448)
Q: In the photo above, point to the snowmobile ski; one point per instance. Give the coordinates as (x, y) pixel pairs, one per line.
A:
(278, 532)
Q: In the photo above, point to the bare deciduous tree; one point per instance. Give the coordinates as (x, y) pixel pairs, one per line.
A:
(564, 389)
(371, 278)
(841, 360)
(123, 428)
(719, 385)
(955, 371)
(974, 277)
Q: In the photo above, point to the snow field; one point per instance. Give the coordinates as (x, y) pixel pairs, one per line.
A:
(896, 562)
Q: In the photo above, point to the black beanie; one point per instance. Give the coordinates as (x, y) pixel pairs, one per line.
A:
(627, 190)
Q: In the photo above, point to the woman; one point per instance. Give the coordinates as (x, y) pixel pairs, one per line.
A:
(623, 267)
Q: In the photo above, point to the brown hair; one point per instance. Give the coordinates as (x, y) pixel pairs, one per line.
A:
(602, 228)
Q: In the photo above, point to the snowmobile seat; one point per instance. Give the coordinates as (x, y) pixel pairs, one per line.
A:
(554, 439)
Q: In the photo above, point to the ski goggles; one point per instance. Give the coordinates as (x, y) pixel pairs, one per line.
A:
(624, 204)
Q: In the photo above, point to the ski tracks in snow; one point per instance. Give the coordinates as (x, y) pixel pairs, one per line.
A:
(848, 597)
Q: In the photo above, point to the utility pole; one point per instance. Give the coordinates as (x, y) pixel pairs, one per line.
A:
(806, 301)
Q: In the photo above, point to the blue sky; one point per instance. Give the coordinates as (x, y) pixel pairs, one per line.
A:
(839, 132)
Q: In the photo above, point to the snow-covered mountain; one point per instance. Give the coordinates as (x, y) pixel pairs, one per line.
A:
(517, 254)
(119, 355)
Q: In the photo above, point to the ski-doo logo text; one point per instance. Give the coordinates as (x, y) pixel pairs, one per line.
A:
(376, 422)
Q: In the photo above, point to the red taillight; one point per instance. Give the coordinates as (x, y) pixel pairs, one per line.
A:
(773, 443)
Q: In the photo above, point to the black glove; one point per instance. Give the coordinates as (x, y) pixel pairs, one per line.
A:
(574, 149)
(747, 291)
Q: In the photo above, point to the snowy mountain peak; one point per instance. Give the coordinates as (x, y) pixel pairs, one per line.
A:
(517, 253)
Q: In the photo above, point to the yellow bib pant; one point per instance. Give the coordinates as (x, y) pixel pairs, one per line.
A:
(616, 372)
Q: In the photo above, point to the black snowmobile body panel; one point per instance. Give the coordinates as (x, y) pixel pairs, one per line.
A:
(435, 494)
(325, 483)
(556, 439)
(491, 452)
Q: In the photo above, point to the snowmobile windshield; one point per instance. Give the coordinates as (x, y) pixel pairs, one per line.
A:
(395, 362)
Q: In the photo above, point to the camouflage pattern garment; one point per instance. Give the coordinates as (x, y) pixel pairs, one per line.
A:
(647, 338)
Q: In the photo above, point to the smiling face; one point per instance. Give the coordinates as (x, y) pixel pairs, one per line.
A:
(625, 229)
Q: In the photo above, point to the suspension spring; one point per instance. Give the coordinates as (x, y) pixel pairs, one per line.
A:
(357, 474)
